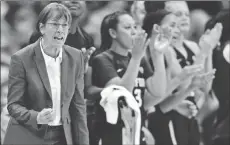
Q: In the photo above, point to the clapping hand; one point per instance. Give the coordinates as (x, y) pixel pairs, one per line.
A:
(140, 43)
(201, 80)
(210, 39)
(162, 40)
(188, 73)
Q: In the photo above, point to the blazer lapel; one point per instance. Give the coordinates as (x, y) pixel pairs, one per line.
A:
(64, 73)
(40, 63)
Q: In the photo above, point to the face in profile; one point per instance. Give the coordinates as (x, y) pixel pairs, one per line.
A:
(180, 9)
(55, 30)
(75, 7)
(126, 30)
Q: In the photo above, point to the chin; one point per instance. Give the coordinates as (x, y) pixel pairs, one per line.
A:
(184, 31)
(58, 44)
(77, 14)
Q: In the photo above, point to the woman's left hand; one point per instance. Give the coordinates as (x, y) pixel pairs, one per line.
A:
(209, 40)
(162, 40)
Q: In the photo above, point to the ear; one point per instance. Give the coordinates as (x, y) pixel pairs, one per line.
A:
(156, 28)
(41, 27)
(112, 33)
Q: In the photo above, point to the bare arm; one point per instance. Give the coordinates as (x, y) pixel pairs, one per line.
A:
(172, 101)
(157, 83)
(128, 79)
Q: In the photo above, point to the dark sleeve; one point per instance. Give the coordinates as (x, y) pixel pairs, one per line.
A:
(88, 38)
(89, 43)
(34, 37)
(148, 72)
(78, 109)
(16, 95)
(103, 70)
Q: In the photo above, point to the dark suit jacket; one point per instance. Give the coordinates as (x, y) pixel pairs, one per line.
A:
(30, 92)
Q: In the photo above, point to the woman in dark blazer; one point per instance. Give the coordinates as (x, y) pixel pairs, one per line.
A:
(46, 81)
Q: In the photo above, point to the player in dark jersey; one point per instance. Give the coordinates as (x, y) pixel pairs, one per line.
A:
(180, 10)
(159, 120)
(122, 63)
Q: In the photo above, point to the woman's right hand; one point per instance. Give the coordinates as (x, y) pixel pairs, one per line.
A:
(140, 43)
(45, 116)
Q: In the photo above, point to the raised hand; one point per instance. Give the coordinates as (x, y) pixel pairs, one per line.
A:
(140, 43)
(162, 40)
(87, 54)
(210, 39)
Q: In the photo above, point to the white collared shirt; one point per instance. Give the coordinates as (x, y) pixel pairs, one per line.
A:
(53, 67)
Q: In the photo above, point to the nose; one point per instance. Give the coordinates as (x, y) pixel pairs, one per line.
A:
(177, 30)
(133, 31)
(185, 17)
(60, 28)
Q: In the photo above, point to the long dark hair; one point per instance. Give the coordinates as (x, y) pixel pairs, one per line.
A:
(109, 22)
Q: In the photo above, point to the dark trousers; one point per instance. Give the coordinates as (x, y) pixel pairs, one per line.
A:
(55, 135)
(186, 130)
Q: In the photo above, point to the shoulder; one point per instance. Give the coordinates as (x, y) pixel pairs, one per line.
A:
(104, 56)
(193, 46)
(26, 52)
(72, 51)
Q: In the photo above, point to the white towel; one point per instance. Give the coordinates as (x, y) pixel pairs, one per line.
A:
(226, 53)
(109, 101)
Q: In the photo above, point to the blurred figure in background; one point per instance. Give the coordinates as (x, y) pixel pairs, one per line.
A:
(8, 47)
(24, 22)
(138, 12)
(93, 24)
(198, 20)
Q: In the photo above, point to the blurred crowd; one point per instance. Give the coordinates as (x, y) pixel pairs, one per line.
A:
(18, 19)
